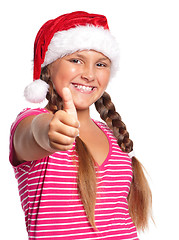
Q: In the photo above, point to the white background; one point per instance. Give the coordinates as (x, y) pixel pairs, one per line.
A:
(145, 92)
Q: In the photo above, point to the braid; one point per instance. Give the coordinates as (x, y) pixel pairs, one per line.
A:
(55, 102)
(108, 113)
(140, 197)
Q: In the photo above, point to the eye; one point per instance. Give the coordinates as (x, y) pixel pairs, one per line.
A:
(101, 64)
(74, 60)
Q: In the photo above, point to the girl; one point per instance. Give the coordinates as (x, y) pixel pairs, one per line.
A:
(77, 177)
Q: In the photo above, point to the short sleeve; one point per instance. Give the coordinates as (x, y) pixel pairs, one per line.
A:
(25, 113)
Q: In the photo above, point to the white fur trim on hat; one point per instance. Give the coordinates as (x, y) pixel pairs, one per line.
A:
(81, 38)
(36, 91)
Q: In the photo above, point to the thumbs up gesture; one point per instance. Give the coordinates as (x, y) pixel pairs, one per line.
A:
(64, 126)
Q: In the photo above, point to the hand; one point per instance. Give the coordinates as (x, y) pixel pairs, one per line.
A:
(64, 126)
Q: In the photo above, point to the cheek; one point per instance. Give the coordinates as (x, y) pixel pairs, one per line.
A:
(104, 79)
(63, 78)
(73, 70)
(65, 74)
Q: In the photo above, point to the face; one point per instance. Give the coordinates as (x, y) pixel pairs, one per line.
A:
(85, 73)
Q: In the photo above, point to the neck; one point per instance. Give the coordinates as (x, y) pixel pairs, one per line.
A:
(84, 117)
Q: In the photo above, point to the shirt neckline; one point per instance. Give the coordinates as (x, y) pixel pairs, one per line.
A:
(99, 124)
(109, 142)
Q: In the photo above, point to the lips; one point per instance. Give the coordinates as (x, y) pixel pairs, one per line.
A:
(83, 88)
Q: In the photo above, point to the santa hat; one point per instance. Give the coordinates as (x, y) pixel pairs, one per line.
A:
(65, 35)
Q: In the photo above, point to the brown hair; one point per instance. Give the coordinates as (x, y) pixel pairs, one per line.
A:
(140, 197)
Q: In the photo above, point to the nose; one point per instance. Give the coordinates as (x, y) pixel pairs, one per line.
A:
(88, 73)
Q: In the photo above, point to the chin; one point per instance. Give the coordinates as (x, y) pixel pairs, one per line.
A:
(81, 107)
(83, 104)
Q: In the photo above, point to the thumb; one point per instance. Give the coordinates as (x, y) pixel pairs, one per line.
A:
(68, 103)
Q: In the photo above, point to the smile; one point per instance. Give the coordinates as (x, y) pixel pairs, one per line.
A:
(83, 88)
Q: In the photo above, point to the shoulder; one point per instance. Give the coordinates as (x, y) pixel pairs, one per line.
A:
(31, 111)
(26, 113)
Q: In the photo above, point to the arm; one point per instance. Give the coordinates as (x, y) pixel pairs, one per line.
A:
(39, 136)
(25, 145)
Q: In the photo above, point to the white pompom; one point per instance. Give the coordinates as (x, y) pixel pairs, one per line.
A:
(36, 91)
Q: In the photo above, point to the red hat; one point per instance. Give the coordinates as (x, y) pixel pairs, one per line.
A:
(65, 35)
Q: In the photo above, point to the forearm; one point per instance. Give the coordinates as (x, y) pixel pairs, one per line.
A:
(39, 136)
(31, 138)
(40, 129)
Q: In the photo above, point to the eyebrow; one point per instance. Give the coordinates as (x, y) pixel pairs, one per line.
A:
(100, 59)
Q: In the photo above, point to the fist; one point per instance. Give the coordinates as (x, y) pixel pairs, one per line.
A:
(64, 126)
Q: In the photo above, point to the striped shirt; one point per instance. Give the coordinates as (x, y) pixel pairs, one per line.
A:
(50, 200)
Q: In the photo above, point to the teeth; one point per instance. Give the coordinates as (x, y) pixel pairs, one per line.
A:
(84, 88)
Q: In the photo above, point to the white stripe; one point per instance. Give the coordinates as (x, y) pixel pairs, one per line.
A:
(26, 192)
(116, 235)
(116, 181)
(69, 235)
(64, 159)
(104, 187)
(53, 170)
(68, 194)
(83, 228)
(21, 176)
(83, 222)
(73, 217)
(111, 170)
(117, 165)
(74, 183)
(57, 183)
(114, 159)
(24, 199)
(77, 211)
(73, 206)
(72, 188)
(102, 198)
(23, 187)
(114, 176)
